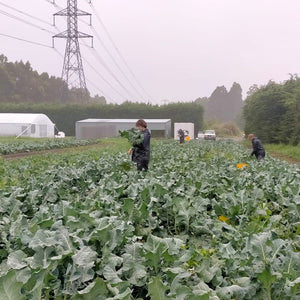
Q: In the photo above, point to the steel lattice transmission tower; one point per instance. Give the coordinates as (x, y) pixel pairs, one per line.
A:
(72, 72)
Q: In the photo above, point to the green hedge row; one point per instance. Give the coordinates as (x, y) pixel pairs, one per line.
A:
(65, 115)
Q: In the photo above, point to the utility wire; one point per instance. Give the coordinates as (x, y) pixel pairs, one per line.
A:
(95, 86)
(24, 21)
(95, 53)
(117, 50)
(53, 2)
(97, 72)
(24, 40)
(24, 13)
(101, 76)
(116, 63)
(112, 58)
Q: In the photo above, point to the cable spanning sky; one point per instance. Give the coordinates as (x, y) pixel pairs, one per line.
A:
(161, 50)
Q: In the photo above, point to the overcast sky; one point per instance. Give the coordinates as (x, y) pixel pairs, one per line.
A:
(178, 50)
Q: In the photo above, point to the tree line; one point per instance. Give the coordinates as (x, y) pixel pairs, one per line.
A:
(20, 83)
(272, 111)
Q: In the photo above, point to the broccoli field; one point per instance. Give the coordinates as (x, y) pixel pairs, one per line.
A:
(194, 227)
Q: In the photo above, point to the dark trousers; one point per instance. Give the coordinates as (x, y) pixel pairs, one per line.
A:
(260, 155)
(143, 164)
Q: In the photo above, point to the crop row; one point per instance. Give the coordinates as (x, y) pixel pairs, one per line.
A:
(28, 145)
(193, 227)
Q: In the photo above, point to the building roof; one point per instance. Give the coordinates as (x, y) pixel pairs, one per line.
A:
(23, 118)
(149, 121)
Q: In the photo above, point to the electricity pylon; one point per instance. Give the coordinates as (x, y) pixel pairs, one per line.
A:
(72, 72)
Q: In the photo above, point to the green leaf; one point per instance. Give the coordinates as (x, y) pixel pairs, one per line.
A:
(95, 290)
(294, 287)
(156, 289)
(111, 275)
(16, 259)
(135, 137)
(237, 292)
(10, 288)
(133, 264)
(35, 285)
(85, 257)
(267, 279)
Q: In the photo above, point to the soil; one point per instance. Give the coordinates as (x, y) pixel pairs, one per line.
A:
(285, 158)
(51, 151)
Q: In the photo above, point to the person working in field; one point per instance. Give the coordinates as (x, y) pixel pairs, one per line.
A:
(141, 152)
(258, 149)
(181, 136)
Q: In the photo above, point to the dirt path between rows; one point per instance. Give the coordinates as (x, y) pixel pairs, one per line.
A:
(53, 151)
(285, 158)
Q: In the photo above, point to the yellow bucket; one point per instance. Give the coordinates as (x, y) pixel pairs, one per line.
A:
(240, 166)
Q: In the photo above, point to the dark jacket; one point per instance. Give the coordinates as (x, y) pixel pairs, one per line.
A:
(181, 136)
(258, 149)
(141, 152)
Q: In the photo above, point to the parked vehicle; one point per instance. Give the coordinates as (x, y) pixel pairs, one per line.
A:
(200, 135)
(210, 135)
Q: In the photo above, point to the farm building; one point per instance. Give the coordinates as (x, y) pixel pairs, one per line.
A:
(99, 128)
(188, 129)
(26, 125)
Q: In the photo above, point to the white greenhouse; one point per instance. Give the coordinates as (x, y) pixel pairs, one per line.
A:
(26, 125)
(99, 128)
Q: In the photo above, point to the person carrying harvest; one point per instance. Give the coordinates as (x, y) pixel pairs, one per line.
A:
(258, 149)
(140, 153)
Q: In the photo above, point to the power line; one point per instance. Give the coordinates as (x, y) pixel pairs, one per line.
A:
(116, 63)
(24, 13)
(52, 2)
(117, 50)
(24, 21)
(24, 40)
(95, 86)
(95, 53)
(101, 76)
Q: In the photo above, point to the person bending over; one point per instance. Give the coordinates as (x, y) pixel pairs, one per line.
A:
(258, 149)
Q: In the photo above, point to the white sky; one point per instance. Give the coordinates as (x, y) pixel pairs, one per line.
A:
(179, 50)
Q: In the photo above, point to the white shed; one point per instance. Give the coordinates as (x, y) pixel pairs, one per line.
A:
(99, 128)
(188, 129)
(26, 125)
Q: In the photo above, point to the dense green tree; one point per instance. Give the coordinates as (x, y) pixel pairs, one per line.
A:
(7, 85)
(272, 112)
(98, 99)
(252, 89)
(20, 83)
